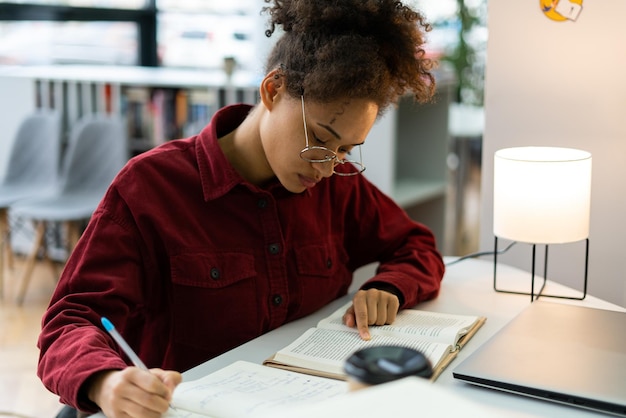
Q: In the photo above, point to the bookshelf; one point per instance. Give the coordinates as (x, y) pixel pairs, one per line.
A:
(158, 104)
(405, 152)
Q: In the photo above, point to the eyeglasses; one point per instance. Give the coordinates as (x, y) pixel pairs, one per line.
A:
(318, 154)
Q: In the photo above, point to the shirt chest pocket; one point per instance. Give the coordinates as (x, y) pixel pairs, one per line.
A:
(211, 270)
(315, 260)
(322, 275)
(214, 300)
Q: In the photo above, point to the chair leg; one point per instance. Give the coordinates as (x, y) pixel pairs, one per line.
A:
(73, 234)
(7, 245)
(45, 257)
(4, 228)
(40, 230)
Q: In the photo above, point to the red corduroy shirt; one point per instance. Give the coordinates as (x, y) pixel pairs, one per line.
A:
(189, 260)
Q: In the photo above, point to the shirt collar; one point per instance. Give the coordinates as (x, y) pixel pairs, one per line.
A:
(217, 174)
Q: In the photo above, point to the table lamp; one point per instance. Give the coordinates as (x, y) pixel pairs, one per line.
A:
(541, 196)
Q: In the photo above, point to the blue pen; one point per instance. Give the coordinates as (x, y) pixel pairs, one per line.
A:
(124, 345)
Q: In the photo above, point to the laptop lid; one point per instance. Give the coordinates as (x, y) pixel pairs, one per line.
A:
(557, 352)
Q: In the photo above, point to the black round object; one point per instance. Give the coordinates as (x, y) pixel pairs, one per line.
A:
(381, 364)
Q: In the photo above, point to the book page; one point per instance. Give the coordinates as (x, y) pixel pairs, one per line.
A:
(243, 389)
(412, 323)
(326, 350)
(408, 397)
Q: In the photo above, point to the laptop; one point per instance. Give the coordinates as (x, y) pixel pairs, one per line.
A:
(558, 352)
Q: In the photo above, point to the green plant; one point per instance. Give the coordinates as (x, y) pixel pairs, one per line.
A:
(467, 56)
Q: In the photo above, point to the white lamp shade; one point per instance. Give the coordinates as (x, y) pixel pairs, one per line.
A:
(542, 195)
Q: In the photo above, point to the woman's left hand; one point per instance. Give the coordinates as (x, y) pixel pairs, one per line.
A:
(371, 307)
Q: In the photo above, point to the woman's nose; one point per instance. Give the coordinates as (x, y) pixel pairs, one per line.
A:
(325, 169)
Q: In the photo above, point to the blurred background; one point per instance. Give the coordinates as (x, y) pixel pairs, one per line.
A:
(204, 34)
(201, 33)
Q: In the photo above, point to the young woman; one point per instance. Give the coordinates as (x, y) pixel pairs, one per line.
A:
(205, 243)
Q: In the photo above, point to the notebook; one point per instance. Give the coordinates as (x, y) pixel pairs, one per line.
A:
(557, 352)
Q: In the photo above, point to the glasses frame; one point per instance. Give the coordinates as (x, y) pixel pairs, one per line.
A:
(331, 155)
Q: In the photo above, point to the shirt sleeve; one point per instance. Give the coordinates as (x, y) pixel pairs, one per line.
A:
(73, 344)
(380, 231)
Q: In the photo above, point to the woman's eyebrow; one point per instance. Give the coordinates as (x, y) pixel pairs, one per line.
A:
(331, 130)
(335, 133)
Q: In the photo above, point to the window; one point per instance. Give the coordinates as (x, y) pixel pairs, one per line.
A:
(46, 42)
(173, 33)
(116, 32)
(204, 33)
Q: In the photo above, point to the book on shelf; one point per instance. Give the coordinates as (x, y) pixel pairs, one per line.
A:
(245, 389)
(156, 115)
(323, 350)
(201, 104)
(135, 107)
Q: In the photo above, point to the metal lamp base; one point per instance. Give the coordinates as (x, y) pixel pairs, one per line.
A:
(532, 294)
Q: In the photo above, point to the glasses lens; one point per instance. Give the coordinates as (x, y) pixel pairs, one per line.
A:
(317, 155)
(348, 168)
(324, 155)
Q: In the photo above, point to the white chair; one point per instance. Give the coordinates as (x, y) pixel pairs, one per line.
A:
(32, 170)
(97, 150)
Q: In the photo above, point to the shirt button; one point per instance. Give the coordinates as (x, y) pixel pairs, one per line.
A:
(262, 203)
(329, 263)
(215, 273)
(277, 300)
(274, 249)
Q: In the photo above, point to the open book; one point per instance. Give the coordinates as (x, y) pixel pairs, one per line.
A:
(244, 389)
(324, 349)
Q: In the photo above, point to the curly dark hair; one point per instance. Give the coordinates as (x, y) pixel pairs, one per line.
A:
(334, 49)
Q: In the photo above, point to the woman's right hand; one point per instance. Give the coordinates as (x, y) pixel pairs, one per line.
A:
(133, 392)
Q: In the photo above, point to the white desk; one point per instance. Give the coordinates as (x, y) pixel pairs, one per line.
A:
(467, 288)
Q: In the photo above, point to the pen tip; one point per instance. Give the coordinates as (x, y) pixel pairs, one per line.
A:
(107, 324)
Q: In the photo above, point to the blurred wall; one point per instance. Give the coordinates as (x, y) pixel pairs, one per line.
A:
(563, 83)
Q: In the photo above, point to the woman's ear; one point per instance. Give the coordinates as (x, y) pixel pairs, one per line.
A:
(270, 87)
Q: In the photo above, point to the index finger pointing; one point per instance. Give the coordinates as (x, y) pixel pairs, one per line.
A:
(361, 316)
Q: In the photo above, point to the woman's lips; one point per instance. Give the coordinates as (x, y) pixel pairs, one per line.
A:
(307, 181)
